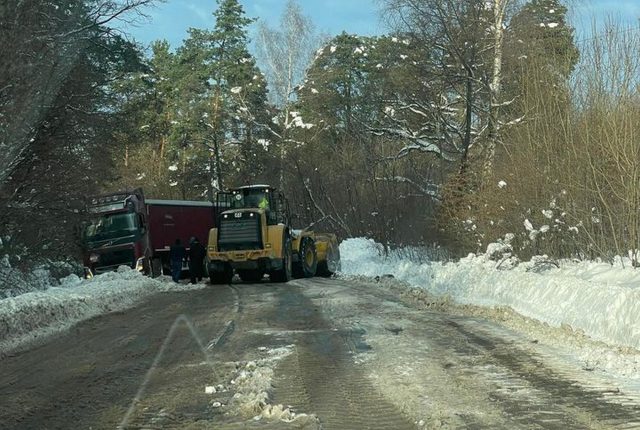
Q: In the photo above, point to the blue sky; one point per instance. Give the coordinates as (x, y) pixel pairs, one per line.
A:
(170, 20)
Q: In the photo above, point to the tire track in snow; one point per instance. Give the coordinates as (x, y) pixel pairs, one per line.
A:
(321, 378)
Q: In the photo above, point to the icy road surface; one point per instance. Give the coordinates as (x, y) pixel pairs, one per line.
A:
(319, 353)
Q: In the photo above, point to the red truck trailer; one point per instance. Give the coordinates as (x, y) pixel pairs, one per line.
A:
(177, 219)
(129, 230)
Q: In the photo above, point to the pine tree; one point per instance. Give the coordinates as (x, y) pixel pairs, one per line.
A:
(220, 61)
(539, 31)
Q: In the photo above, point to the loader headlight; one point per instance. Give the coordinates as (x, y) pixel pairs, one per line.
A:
(140, 264)
(94, 258)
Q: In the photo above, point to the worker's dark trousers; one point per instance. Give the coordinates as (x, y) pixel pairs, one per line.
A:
(176, 270)
(195, 270)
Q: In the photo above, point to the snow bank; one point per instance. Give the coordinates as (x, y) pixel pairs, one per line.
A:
(599, 299)
(30, 317)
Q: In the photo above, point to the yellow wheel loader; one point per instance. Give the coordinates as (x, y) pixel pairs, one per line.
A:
(253, 237)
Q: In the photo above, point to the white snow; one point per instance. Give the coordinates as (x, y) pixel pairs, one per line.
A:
(297, 121)
(595, 298)
(252, 384)
(33, 316)
(528, 225)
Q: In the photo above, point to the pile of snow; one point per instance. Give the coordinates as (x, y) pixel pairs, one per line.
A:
(599, 299)
(33, 316)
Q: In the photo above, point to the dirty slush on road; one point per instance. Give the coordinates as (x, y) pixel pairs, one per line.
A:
(320, 353)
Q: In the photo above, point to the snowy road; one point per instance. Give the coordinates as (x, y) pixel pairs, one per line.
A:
(336, 354)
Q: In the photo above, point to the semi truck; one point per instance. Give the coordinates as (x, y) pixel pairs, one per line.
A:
(253, 236)
(128, 229)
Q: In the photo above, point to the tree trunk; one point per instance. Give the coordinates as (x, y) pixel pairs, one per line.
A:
(499, 7)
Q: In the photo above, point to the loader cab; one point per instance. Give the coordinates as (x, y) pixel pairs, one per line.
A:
(264, 197)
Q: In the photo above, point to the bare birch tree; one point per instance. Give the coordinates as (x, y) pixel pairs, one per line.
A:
(499, 9)
(286, 53)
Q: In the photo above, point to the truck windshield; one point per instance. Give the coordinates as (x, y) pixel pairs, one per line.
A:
(111, 227)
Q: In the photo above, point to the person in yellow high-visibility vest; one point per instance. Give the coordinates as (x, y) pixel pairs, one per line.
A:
(264, 203)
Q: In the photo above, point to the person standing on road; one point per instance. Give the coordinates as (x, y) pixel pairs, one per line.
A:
(176, 256)
(197, 253)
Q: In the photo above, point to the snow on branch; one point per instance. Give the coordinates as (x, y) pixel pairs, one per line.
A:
(416, 142)
(503, 104)
(515, 121)
(429, 189)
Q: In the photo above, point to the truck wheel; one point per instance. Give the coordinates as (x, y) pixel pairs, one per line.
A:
(284, 274)
(331, 265)
(156, 267)
(220, 278)
(307, 265)
(252, 276)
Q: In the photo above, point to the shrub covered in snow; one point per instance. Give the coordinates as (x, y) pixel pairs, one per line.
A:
(15, 281)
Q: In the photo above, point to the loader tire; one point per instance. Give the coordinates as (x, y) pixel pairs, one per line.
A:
(284, 274)
(220, 278)
(251, 276)
(331, 265)
(307, 264)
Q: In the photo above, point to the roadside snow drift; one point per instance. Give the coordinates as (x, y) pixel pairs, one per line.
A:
(33, 316)
(599, 299)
